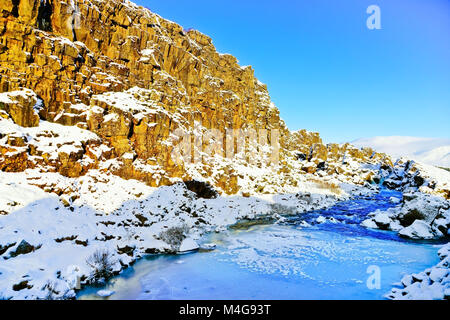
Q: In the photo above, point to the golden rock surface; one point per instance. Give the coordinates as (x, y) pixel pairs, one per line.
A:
(134, 78)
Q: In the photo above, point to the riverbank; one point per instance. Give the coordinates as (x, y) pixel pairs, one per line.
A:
(431, 284)
(308, 256)
(45, 243)
(49, 237)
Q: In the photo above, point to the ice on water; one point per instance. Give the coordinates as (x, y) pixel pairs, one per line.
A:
(285, 261)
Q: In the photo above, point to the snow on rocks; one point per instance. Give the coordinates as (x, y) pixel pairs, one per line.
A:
(22, 106)
(418, 230)
(105, 293)
(208, 247)
(420, 216)
(188, 245)
(56, 224)
(382, 220)
(395, 200)
(68, 149)
(438, 180)
(431, 284)
(408, 175)
(322, 220)
(369, 223)
(50, 138)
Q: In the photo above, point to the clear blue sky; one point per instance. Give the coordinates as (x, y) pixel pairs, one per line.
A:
(326, 71)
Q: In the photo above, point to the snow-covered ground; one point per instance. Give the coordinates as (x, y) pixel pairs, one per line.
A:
(426, 150)
(431, 284)
(45, 242)
(54, 224)
(51, 225)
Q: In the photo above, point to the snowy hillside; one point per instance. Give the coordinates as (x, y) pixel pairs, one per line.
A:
(427, 150)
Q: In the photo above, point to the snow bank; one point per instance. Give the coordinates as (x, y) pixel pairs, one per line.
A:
(431, 284)
(188, 245)
(101, 211)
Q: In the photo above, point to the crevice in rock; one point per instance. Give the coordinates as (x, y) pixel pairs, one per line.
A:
(74, 34)
(15, 10)
(44, 16)
(202, 189)
(131, 132)
(39, 107)
(75, 22)
(115, 24)
(80, 59)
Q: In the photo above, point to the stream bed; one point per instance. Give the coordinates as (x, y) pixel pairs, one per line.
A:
(323, 254)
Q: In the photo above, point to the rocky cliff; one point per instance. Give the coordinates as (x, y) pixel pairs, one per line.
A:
(125, 80)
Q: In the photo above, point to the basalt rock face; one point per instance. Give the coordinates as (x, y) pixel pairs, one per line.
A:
(133, 78)
(97, 46)
(22, 107)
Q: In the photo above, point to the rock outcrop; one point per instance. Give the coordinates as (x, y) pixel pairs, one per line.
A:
(22, 106)
(420, 216)
(134, 80)
(75, 55)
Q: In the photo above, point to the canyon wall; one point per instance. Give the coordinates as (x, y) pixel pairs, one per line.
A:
(133, 78)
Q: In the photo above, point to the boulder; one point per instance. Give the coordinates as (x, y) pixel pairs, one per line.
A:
(301, 156)
(310, 167)
(105, 293)
(22, 286)
(420, 207)
(22, 107)
(23, 248)
(202, 189)
(393, 184)
(129, 251)
(419, 230)
(437, 274)
(319, 153)
(383, 221)
(369, 223)
(4, 248)
(208, 247)
(321, 220)
(322, 166)
(188, 245)
(395, 200)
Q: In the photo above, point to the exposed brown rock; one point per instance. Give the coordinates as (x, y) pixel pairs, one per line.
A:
(19, 105)
(85, 61)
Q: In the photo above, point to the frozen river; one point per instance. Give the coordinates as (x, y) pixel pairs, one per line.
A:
(320, 255)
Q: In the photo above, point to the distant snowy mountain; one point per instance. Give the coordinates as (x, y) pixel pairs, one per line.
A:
(427, 150)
